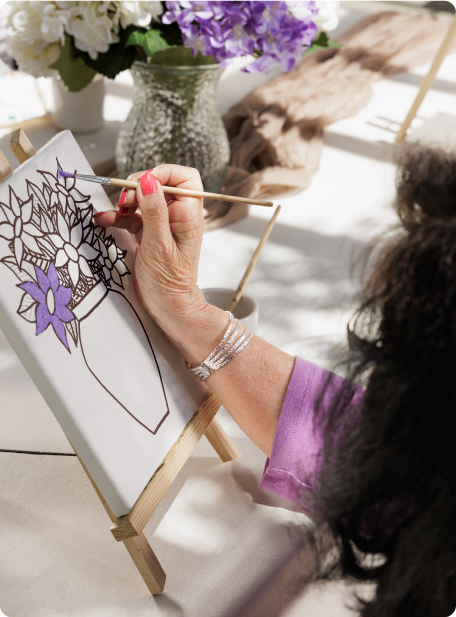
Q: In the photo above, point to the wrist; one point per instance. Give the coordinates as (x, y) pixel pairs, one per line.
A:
(194, 326)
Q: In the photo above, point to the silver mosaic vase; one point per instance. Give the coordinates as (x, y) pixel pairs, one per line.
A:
(174, 119)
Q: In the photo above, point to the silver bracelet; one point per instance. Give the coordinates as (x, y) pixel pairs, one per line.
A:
(223, 353)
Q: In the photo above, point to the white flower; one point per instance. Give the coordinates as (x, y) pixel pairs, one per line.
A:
(299, 9)
(69, 244)
(54, 21)
(327, 18)
(35, 32)
(138, 13)
(113, 265)
(93, 28)
(18, 227)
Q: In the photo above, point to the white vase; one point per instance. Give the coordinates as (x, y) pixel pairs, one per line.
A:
(81, 112)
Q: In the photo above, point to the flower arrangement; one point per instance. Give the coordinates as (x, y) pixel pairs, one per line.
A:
(80, 39)
(57, 253)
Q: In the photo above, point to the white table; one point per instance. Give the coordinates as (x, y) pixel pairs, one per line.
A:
(225, 547)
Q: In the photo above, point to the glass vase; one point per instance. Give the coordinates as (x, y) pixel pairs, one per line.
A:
(174, 119)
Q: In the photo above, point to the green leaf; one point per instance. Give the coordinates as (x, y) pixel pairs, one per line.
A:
(150, 40)
(118, 58)
(73, 71)
(321, 42)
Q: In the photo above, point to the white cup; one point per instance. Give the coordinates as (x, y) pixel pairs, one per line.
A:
(246, 310)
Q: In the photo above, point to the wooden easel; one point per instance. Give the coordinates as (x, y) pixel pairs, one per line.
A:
(428, 80)
(129, 528)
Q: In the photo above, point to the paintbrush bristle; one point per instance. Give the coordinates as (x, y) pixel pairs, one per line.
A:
(64, 174)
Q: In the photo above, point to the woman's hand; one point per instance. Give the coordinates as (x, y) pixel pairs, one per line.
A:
(169, 231)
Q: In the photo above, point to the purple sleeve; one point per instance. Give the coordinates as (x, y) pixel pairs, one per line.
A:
(293, 469)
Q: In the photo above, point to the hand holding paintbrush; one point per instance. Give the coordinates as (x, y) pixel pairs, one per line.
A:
(132, 184)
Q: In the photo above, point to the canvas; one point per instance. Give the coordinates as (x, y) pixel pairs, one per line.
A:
(115, 383)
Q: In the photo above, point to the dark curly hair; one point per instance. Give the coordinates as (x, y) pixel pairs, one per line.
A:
(388, 481)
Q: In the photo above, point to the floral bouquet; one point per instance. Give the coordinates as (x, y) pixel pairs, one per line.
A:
(81, 39)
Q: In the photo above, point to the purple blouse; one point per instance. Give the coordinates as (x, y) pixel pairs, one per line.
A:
(293, 469)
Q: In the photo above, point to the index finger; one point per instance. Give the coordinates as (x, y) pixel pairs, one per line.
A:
(178, 176)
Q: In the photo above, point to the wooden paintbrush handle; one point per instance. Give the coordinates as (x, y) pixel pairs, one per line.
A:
(129, 184)
(240, 290)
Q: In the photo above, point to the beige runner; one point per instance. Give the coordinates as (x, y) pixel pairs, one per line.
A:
(276, 132)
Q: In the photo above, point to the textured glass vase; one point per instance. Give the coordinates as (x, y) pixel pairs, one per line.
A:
(174, 119)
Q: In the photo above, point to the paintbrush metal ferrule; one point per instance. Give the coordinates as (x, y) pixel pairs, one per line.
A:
(98, 179)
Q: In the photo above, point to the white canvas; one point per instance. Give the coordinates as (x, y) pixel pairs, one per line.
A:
(115, 383)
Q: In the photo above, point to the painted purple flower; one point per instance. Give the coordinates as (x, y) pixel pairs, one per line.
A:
(52, 299)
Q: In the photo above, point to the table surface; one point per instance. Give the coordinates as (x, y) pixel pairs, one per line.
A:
(228, 548)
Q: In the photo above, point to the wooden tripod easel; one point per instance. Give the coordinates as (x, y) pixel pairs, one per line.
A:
(428, 80)
(129, 528)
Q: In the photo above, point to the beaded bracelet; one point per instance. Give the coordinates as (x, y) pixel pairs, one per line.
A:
(222, 355)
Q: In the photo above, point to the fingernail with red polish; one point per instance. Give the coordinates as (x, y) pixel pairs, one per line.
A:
(98, 214)
(122, 210)
(123, 197)
(148, 184)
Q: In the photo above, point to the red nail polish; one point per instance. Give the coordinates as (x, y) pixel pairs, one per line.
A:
(148, 184)
(123, 210)
(98, 214)
(123, 197)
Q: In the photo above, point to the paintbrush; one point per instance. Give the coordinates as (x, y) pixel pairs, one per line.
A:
(130, 184)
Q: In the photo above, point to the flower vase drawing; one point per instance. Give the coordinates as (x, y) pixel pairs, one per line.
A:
(71, 273)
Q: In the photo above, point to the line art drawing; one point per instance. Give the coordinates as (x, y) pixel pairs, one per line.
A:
(68, 267)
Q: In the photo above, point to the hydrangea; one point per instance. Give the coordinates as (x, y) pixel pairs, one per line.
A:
(273, 32)
(36, 30)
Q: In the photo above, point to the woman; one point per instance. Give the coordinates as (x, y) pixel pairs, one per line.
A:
(377, 466)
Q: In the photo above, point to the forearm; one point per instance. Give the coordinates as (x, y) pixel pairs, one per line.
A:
(252, 386)
(169, 232)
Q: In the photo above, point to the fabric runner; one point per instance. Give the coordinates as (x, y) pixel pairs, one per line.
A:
(276, 132)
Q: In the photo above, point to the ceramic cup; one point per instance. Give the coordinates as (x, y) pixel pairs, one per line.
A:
(246, 310)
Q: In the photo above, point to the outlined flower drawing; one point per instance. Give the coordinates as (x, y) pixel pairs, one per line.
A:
(18, 227)
(66, 269)
(50, 300)
(52, 230)
(113, 264)
(68, 242)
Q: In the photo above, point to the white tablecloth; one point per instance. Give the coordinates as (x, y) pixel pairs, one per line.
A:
(225, 545)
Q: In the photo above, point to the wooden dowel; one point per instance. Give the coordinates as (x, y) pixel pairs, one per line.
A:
(130, 184)
(21, 145)
(221, 443)
(428, 80)
(133, 523)
(5, 167)
(239, 291)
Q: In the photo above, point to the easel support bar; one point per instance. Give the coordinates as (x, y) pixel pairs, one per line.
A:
(133, 523)
(5, 167)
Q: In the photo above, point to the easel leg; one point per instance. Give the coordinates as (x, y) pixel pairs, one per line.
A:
(145, 560)
(220, 441)
(428, 80)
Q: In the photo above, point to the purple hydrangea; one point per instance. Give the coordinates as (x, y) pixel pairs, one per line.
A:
(270, 31)
(52, 299)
